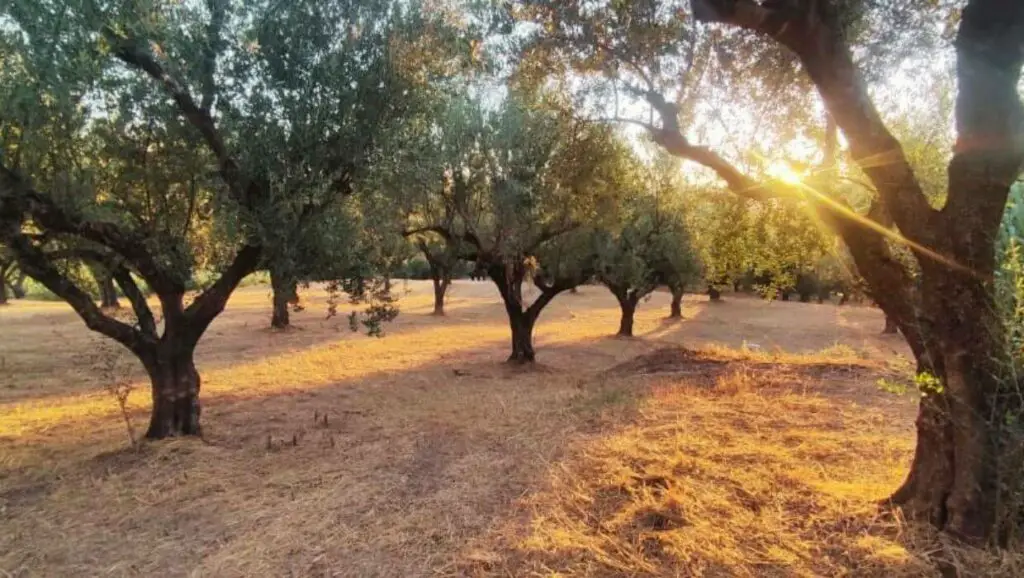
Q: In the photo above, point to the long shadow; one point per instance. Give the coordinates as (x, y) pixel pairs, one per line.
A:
(411, 463)
(437, 451)
(218, 350)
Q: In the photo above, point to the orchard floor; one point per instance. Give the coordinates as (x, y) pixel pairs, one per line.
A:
(758, 450)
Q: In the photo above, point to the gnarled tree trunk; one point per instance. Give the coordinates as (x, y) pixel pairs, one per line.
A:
(628, 308)
(522, 337)
(508, 277)
(891, 328)
(440, 289)
(676, 308)
(285, 290)
(175, 390)
(967, 472)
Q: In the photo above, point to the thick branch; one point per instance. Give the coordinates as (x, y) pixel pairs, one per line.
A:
(214, 44)
(37, 265)
(52, 218)
(989, 150)
(448, 236)
(211, 302)
(815, 36)
(121, 274)
(550, 232)
(132, 52)
(147, 323)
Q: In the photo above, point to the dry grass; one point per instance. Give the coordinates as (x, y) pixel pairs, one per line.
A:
(436, 458)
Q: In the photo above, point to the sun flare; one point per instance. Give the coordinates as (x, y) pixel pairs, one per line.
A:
(784, 173)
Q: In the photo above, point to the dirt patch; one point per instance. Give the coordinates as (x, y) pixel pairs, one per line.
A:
(669, 360)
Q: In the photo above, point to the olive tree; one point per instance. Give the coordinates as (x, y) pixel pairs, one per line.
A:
(124, 129)
(965, 476)
(646, 245)
(523, 182)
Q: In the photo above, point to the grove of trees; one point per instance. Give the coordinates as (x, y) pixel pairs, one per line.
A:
(169, 149)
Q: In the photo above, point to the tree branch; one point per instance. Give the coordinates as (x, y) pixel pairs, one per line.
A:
(989, 151)
(147, 323)
(550, 232)
(214, 44)
(212, 301)
(815, 36)
(36, 264)
(52, 218)
(134, 54)
(121, 274)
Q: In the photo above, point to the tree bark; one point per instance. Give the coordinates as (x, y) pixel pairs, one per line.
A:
(509, 280)
(18, 287)
(966, 475)
(108, 293)
(627, 304)
(175, 389)
(440, 290)
(522, 338)
(5, 269)
(714, 294)
(676, 308)
(891, 328)
(440, 275)
(285, 290)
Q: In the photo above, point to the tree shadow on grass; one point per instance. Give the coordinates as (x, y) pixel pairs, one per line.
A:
(421, 456)
(406, 466)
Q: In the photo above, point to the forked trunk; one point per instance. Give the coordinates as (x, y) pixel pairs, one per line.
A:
(440, 289)
(441, 276)
(175, 383)
(627, 304)
(522, 338)
(285, 289)
(676, 309)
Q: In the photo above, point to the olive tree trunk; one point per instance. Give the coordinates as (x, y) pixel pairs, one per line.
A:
(628, 308)
(18, 286)
(522, 324)
(285, 289)
(676, 308)
(108, 293)
(967, 476)
(175, 389)
(891, 328)
(522, 317)
(441, 284)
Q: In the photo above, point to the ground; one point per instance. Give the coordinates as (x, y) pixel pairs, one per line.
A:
(750, 439)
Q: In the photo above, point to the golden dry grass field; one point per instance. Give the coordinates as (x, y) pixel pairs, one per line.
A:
(751, 439)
